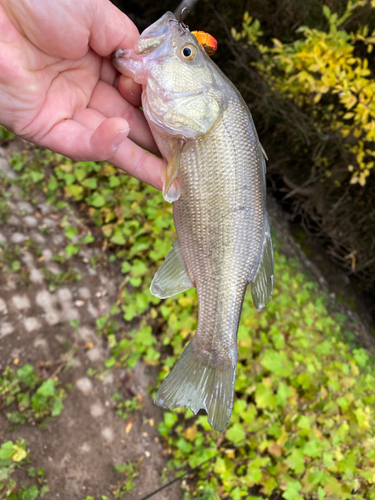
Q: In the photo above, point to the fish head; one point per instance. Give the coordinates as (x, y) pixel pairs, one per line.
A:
(183, 91)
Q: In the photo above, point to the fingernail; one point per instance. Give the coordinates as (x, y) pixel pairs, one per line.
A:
(120, 137)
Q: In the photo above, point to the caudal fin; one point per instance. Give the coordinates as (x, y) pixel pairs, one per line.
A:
(197, 385)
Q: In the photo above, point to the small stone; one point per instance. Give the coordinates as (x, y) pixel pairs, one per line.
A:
(17, 238)
(98, 294)
(47, 254)
(84, 293)
(3, 307)
(85, 448)
(45, 209)
(14, 221)
(47, 222)
(92, 310)
(54, 268)
(96, 410)
(46, 301)
(30, 221)
(148, 454)
(36, 276)
(38, 238)
(58, 239)
(31, 324)
(86, 334)
(109, 379)
(41, 343)
(15, 190)
(6, 329)
(94, 354)
(27, 258)
(21, 302)
(16, 361)
(84, 384)
(107, 434)
(25, 206)
(79, 303)
(11, 174)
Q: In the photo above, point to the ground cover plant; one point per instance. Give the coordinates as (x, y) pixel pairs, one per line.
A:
(27, 397)
(303, 419)
(15, 456)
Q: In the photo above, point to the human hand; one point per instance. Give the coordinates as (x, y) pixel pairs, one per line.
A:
(59, 89)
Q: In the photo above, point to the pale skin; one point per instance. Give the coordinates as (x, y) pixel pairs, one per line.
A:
(58, 88)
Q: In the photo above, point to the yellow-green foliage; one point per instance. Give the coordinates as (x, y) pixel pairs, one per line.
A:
(324, 64)
(303, 423)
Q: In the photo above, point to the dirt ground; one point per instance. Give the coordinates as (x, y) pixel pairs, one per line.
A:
(78, 448)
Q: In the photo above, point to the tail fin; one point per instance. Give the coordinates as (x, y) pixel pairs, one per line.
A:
(197, 385)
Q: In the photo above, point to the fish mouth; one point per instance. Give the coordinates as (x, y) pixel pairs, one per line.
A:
(125, 63)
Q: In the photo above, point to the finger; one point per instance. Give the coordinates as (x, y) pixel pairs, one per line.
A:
(130, 90)
(139, 163)
(108, 101)
(129, 156)
(110, 29)
(81, 143)
(108, 73)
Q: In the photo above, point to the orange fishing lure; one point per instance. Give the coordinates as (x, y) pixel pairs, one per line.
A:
(207, 41)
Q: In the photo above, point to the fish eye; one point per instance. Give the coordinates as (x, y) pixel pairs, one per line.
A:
(189, 52)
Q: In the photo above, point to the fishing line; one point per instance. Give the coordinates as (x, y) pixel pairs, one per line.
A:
(190, 470)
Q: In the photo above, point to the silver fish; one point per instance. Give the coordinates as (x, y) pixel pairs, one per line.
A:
(216, 179)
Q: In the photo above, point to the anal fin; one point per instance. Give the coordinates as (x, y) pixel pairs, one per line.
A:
(171, 278)
(262, 284)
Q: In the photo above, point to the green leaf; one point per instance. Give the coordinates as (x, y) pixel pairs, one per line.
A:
(90, 183)
(276, 362)
(71, 250)
(28, 493)
(326, 11)
(114, 181)
(37, 176)
(16, 265)
(89, 239)
(296, 461)
(236, 433)
(6, 452)
(71, 231)
(47, 388)
(118, 237)
(291, 492)
(97, 200)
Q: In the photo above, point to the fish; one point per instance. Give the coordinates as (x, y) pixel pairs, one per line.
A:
(215, 178)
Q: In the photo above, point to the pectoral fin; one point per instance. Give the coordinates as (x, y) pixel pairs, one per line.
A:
(262, 284)
(171, 186)
(171, 278)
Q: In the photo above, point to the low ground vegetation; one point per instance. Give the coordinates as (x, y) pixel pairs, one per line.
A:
(303, 419)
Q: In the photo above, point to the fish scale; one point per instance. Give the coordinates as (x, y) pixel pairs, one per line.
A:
(212, 175)
(216, 178)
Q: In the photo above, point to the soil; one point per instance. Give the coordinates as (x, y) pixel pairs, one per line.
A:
(79, 448)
